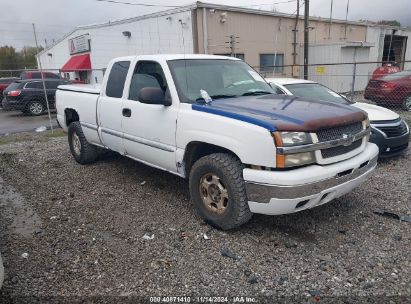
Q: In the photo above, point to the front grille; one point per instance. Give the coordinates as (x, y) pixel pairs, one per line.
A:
(337, 132)
(394, 131)
(339, 150)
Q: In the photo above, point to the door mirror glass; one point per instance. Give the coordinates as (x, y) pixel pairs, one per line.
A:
(152, 95)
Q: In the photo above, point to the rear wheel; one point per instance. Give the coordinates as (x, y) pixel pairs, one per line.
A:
(35, 108)
(82, 151)
(218, 191)
(407, 103)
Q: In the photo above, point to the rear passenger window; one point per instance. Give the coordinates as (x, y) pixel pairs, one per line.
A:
(117, 78)
(34, 85)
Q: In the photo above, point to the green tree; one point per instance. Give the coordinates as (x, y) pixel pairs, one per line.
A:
(28, 57)
(389, 22)
(9, 58)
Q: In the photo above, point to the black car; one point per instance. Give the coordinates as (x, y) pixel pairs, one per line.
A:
(28, 95)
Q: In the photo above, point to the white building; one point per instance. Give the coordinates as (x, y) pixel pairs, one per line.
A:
(85, 52)
(262, 38)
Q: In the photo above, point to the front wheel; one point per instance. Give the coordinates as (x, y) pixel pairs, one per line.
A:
(82, 151)
(407, 103)
(218, 191)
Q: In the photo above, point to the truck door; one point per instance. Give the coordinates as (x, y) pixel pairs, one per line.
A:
(110, 107)
(149, 129)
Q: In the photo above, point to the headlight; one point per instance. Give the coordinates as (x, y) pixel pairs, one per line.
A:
(289, 139)
(294, 138)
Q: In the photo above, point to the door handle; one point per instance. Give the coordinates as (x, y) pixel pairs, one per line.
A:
(126, 112)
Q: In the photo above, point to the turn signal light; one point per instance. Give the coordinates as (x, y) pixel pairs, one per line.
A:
(14, 93)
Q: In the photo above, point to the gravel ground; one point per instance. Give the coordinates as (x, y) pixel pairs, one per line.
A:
(69, 230)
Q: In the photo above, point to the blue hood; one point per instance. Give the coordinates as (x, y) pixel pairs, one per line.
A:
(284, 113)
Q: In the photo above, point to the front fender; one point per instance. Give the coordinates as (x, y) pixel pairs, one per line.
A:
(253, 144)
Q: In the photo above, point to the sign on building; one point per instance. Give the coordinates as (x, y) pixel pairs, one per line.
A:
(79, 44)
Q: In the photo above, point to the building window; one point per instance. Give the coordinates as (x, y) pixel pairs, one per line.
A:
(268, 61)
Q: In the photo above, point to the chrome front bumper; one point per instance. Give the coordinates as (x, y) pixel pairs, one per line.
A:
(295, 190)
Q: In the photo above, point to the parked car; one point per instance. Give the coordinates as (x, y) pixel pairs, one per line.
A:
(385, 70)
(391, 90)
(4, 83)
(28, 95)
(218, 123)
(37, 75)
(388, 130)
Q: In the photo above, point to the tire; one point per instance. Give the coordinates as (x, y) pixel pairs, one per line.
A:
(407, 103)
(36, 108)
(82, 151)
(217, 189)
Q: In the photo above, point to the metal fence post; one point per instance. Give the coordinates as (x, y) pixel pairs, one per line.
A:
(353, 81)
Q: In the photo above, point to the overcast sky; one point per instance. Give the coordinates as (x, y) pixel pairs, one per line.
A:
(54, 18)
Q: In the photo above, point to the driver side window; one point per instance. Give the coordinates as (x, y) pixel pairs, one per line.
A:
(147, 74)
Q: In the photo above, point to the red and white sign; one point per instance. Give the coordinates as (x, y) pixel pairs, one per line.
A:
(79, 44)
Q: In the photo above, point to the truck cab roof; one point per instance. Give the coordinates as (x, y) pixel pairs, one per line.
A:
(166, 57)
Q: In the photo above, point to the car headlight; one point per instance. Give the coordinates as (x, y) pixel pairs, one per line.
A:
(289, 139)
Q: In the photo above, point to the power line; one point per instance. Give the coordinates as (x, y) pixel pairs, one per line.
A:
(138, 4)
(274, 3)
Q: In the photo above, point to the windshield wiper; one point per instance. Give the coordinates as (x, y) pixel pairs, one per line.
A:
(257, 93)
(219, 96)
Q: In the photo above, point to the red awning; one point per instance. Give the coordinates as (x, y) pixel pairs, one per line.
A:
(77, 63)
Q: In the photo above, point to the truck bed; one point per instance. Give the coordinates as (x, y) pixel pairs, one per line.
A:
(83, 100)
(83, 88)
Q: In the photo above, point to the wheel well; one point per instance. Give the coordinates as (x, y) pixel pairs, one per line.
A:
(71, 116)
(196, 150)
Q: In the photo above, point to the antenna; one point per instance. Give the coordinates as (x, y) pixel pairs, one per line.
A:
(42, 77)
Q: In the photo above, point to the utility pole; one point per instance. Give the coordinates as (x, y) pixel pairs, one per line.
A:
(346, 20)
(231, 44)
(297, 17)
(306, 32)
(42, 77)
(331, 20)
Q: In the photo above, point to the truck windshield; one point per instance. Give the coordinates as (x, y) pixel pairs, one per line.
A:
(200, 79)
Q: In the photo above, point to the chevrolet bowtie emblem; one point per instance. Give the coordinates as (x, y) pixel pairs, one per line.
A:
(348, 139)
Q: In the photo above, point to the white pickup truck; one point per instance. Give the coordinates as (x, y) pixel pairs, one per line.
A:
(215, 121)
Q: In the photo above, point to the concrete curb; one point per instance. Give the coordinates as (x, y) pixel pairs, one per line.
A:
(1, 272)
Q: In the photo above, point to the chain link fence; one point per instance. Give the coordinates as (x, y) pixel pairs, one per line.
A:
(375, 83)
(378, 83)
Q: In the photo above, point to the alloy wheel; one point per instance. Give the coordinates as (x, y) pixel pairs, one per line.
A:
(76, 144)
(213, 193)
(407, 103)
(36, 108)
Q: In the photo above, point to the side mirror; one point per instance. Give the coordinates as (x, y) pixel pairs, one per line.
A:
(151, 95)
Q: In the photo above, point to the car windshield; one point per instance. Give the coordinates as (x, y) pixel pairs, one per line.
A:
(315, 91)
(395, 76)
(205, 79)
